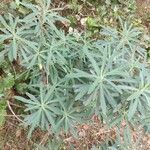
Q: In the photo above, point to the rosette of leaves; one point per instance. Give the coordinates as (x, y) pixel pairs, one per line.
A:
(43, 109)
(22, 35)
(116, 74)
(15, 33)
(100, 82)
(49, 110)
(43, 17)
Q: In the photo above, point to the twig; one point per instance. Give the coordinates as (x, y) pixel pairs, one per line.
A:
(16, 105)
(14, 113)
(8, 115)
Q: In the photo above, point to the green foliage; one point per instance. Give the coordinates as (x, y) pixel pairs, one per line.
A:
(73, 76)
(2, 110)
(43, 108)
(7, 83)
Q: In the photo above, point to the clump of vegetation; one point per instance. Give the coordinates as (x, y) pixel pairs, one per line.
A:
(64, 79)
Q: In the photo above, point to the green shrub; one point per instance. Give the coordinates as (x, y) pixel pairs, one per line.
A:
(73, 77)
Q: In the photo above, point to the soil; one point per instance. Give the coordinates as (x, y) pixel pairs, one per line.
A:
(143, 11)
